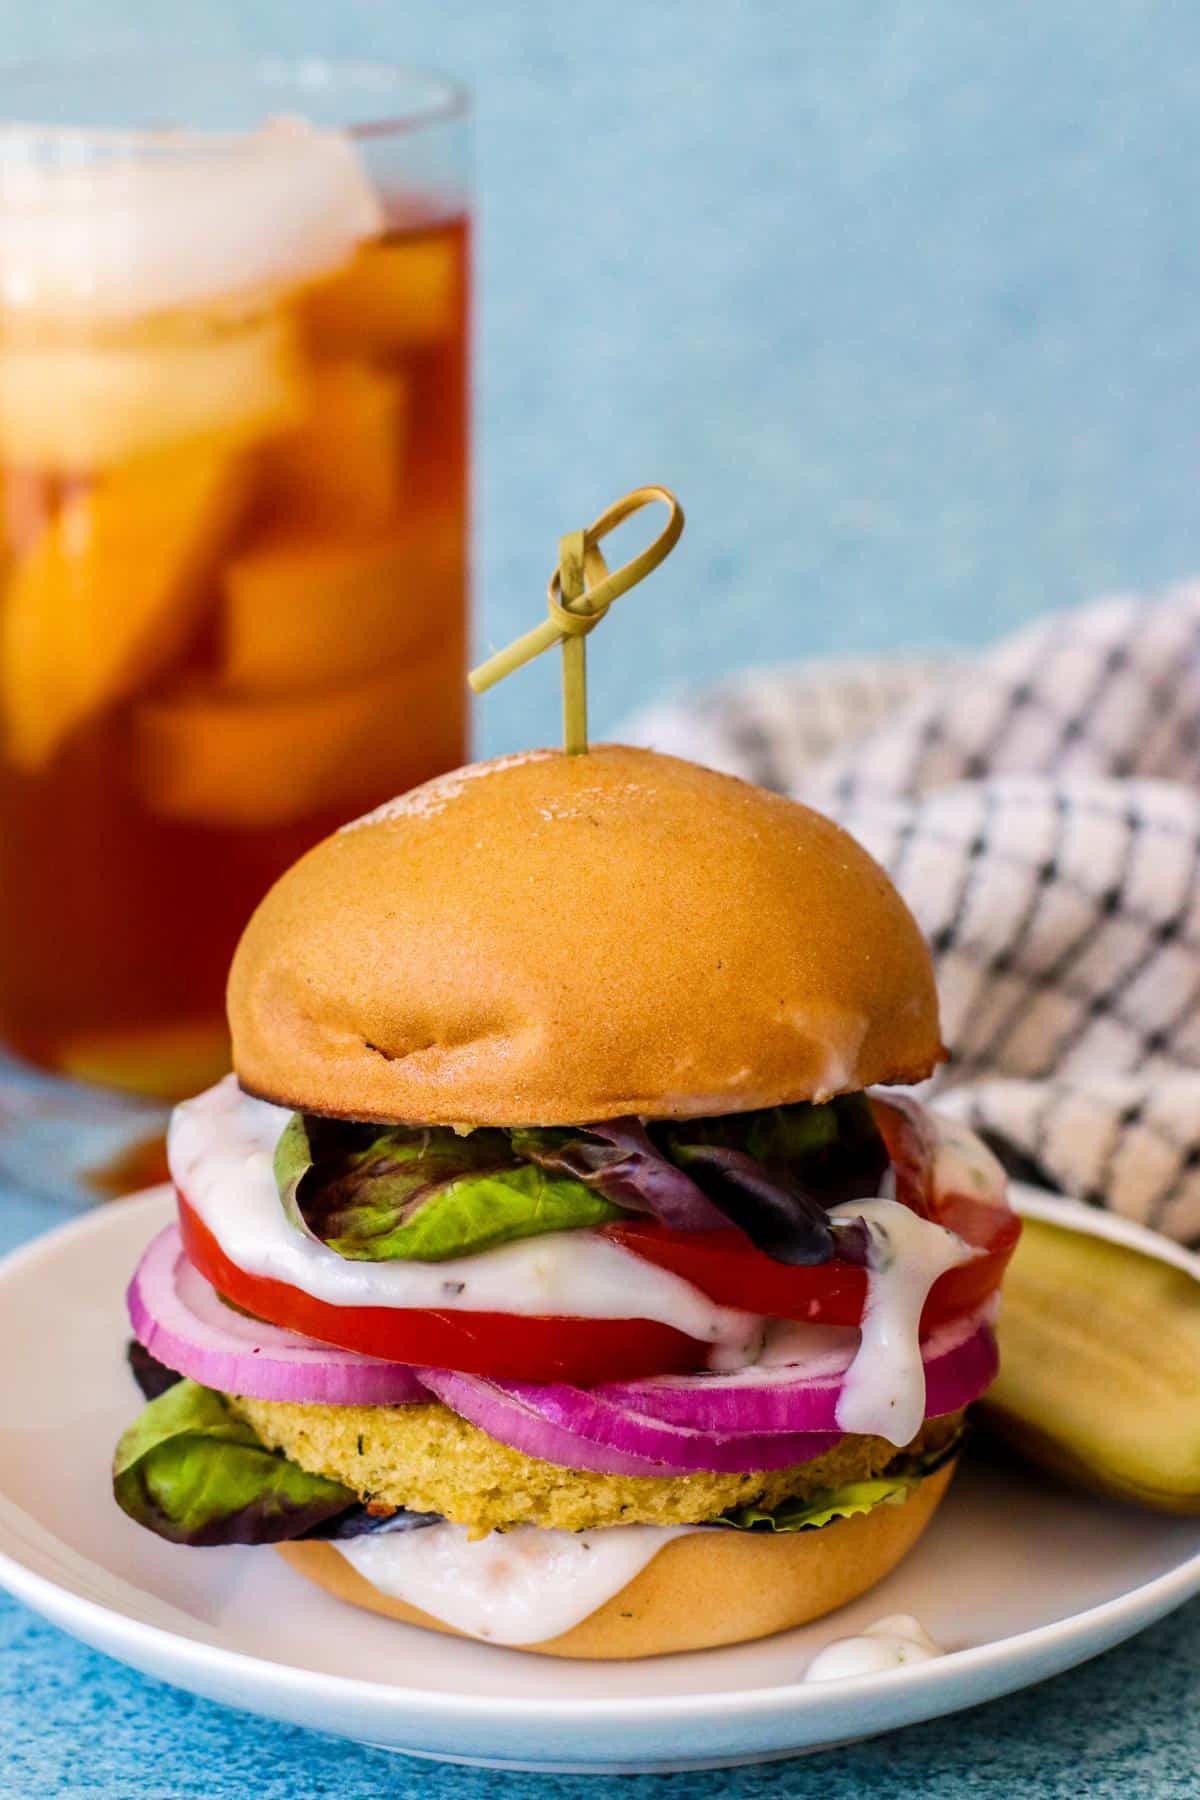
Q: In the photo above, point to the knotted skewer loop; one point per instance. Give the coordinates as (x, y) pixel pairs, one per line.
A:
(580, 592)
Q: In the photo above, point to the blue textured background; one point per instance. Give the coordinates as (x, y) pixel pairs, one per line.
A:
(903, 299)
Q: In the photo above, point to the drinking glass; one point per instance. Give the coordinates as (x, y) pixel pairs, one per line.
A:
(233, 490)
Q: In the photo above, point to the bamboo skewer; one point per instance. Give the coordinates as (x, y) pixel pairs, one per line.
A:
(580, 592)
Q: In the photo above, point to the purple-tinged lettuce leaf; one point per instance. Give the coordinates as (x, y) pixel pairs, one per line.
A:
(775, 1213)
(152, 1376)
(377, 1194)
(193, 1473)
(428, 1194)
(774, 1173)
(359, 1522)
(618, 1159)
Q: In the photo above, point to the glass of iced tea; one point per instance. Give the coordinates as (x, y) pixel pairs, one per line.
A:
(233, 486)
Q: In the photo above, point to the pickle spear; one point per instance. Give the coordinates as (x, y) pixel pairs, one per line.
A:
(1100, 1367)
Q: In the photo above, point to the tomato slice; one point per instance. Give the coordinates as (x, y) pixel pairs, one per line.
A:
(726, 1267)
(506, 1346)
(733, 1273)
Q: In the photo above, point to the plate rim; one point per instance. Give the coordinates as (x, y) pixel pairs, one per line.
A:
(1144, 1604)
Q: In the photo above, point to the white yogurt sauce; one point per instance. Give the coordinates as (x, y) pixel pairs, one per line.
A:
(512, 1587)
(889, 1643)
(784, 1344)
(221, 1148)
(884, 1390)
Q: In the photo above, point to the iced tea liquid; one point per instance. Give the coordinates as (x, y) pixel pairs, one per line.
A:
(232, 615)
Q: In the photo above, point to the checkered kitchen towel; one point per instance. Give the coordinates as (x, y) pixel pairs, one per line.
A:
(1040, 810)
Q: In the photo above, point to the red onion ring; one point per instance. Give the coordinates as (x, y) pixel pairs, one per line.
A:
(960, 1360)
(182, 1321)
(688, 1423)
(579, 1430)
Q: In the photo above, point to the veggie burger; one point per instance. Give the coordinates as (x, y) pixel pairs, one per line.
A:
(546, 1272)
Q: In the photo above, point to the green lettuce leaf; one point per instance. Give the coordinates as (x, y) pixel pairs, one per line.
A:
(820, 1509)
(377, 1194)
(809, 1512)
(190, 1471)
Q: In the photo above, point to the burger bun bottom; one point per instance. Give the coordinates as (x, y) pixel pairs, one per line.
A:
(700, 1591)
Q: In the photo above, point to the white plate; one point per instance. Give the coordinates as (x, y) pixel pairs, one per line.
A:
(1018, 1577)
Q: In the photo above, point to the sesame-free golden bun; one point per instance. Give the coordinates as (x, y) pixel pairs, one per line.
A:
(706, 1589)
(546, 939)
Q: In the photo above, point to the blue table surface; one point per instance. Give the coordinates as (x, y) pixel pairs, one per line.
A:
(902, 297)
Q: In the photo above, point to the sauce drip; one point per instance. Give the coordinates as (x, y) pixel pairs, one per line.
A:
(890, 1643)
(512, 1587)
